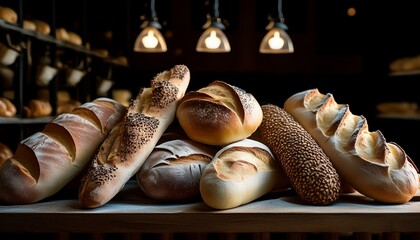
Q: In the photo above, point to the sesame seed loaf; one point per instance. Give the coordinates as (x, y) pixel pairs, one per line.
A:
(311, 173)
(46, 161)
(219, 114)
(378, 169)
(240, 173)
(129, 144)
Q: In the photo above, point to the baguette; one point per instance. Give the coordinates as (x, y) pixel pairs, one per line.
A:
(311, 173)
(129, 144)
(46, 161)
(378, 169)
(240, 173)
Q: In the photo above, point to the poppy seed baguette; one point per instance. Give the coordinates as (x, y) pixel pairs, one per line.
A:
(129, 144)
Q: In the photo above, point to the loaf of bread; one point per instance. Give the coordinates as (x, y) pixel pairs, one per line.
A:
(311, 173)
(8, 14)
(173, 170)
(46, 161)
(240, 173)
(378, 169)
(219, 114)
(7, 108)
(37, 108)
(128, 145)
(5, 152)
(29, 25)
(42, 26)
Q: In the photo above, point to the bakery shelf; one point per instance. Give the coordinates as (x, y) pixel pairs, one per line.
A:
(405, 73)
(130, 211)
(17, 120)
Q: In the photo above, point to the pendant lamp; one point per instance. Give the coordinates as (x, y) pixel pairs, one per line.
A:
(277, 40)
(150, 38)
(213, 39)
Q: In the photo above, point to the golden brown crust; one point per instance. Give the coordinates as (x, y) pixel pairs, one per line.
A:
(311, 173)
(29, 25)
(39, 108)
(378, 169)
(46, 161)
(42, 27)
(7, 108)
(240, 173)
(8, 14)
(219, 114)
(130, 143)
(5, 152)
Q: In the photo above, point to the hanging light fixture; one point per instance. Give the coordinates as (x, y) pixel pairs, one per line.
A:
(150, 39)
(213, 39)
(277, 40)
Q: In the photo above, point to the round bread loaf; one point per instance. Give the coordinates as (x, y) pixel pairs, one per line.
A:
(219, 114)
(172, 171)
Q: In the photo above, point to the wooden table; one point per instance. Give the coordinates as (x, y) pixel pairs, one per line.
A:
(131, 211)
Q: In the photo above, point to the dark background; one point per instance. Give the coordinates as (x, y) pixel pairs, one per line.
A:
(345, 56)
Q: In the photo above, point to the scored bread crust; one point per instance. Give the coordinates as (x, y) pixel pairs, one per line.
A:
(219, 114)
(240, 173)
(46, 161)
(310, 171)
(130, 143)
(172, 171)
(378, 169)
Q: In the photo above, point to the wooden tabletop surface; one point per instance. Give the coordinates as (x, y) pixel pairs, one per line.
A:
(132, 211)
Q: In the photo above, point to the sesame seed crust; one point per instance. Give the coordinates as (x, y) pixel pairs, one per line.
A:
(311, 173)
(164, 93)
(139, 130)
(179, 71)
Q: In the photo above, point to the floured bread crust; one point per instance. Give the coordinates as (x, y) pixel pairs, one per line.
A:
(240, 173)
(374, 167)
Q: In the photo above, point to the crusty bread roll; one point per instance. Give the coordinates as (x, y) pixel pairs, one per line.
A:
(8, 14)
(74, 38)
(126, 148)
(46, 161)
(311, 173)
(5, 152)
(29, 25)
(172, 171)
(37, 108)
(65, 107)
(7, 108)
(219, 114)
(240, 173)
(378, 169)
(42, 26)
(61, 34)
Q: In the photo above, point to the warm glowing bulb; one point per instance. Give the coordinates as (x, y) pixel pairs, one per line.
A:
(212, 42)
(150, 41)
(276, 42)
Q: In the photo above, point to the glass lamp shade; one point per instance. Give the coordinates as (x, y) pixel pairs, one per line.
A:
(150, 40)
(213, 40)
(276, 41)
